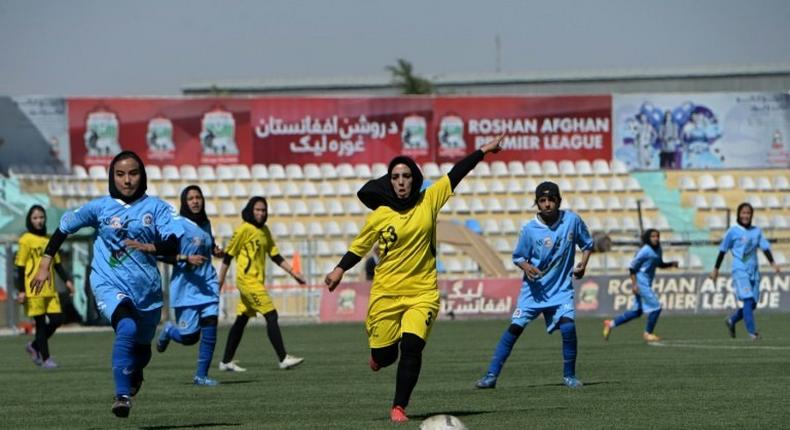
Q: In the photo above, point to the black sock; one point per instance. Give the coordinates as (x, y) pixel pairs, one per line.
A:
(234, 337)
(411, 347)
(41, 344)
(275, 336)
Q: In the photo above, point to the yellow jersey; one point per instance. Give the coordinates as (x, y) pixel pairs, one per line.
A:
(407, 243)
(31, 248)
(249, 246)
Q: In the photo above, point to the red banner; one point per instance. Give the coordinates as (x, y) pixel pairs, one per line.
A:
(342, 130)
(473, 298)
(536, 128)
(162, 131)
(338, 130)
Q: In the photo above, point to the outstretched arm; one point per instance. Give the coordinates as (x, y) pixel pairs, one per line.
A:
(463, 167)
(280, 261)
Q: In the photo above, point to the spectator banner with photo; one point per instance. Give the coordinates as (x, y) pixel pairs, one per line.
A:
(686, 293)
(342, 130)
(535, 127)
(161, 130)
(702, 131)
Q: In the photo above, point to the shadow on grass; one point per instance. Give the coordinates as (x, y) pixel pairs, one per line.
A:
(459, 414)
(190, 426)
(236, 382)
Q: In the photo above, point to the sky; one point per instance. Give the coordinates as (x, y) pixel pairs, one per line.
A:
(88, 47)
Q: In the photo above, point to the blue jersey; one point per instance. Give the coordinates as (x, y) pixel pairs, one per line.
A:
(192, 285)
(552, 250)
(644, 264)
(127, 272)
(743, 243)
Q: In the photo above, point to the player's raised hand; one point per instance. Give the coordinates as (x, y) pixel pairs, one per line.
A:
(42, 277)
(333, 279)
(494, 145)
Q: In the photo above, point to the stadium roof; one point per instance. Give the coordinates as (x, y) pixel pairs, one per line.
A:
(383, 82)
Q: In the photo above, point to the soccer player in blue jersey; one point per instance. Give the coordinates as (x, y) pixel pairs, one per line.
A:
(194, 290)
(643, 271)
(545, 252)
(133, 229)
(743, 240)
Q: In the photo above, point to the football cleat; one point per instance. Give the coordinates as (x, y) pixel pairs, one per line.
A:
(121, 406)
(398, 415)
(204, 381)
(572, 382)
(650, 337)
(164, 338)
(49, 364)
(231, 367)
(488, 381)
(289, 362)
(755, 336)
(34, 355)
(730, 327)
(607, 329)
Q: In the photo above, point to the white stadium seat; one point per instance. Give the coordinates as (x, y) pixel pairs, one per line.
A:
(566, 168)
(260, 172)
(533, 168)
(206, 173)
(725, 182)
(550, 168)
(601, 167)
(188, 172)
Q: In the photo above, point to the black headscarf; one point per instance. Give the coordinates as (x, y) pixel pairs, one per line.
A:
(738, 214)
(379, 192)
(247, 215)
(141, 187)
(29, 224)
(199, 218)
(550, 190)
(646, 238)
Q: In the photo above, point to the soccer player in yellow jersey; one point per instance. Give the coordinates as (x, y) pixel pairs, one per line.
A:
(45, 304)
(250, 244)
(404, 297)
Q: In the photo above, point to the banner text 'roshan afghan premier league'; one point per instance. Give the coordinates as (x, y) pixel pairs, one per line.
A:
(338, 130)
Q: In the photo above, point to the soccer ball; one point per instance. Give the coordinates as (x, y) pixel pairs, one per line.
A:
(442, 422)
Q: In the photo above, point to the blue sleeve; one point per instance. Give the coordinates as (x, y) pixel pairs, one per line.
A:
(763, 242)
(639, 259)
(726, 243)
(522, 251)
(84, 216)
(167, 222)
(583, 238)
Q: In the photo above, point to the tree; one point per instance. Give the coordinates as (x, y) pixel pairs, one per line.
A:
(403, 76)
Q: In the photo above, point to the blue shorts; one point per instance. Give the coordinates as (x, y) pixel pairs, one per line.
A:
(188, 317)
(551, 315)
(108, 299)
(746, 286)
(646, 300)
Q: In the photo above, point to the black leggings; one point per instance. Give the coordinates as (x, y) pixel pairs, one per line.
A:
(237, 331)
(411, 347)
(44, 331)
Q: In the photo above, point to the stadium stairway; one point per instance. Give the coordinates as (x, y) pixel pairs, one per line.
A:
(680, 218)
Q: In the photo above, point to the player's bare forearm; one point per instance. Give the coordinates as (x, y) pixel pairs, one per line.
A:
(223, 270)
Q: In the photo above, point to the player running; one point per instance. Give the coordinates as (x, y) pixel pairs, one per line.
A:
(643, 271)
(194, 290)
(404, 297)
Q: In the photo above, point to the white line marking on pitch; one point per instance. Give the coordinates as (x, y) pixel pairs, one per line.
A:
(682, 344)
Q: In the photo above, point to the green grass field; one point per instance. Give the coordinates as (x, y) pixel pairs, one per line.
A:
(699, 378)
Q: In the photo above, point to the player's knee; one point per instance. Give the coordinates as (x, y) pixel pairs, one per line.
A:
(191, 338)
(568, 328)
(126, 328)
(515, 330)
(271, 317)
(208, 321)
(638, 312)
(411, 344)
(385, 356)
(55, 320)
